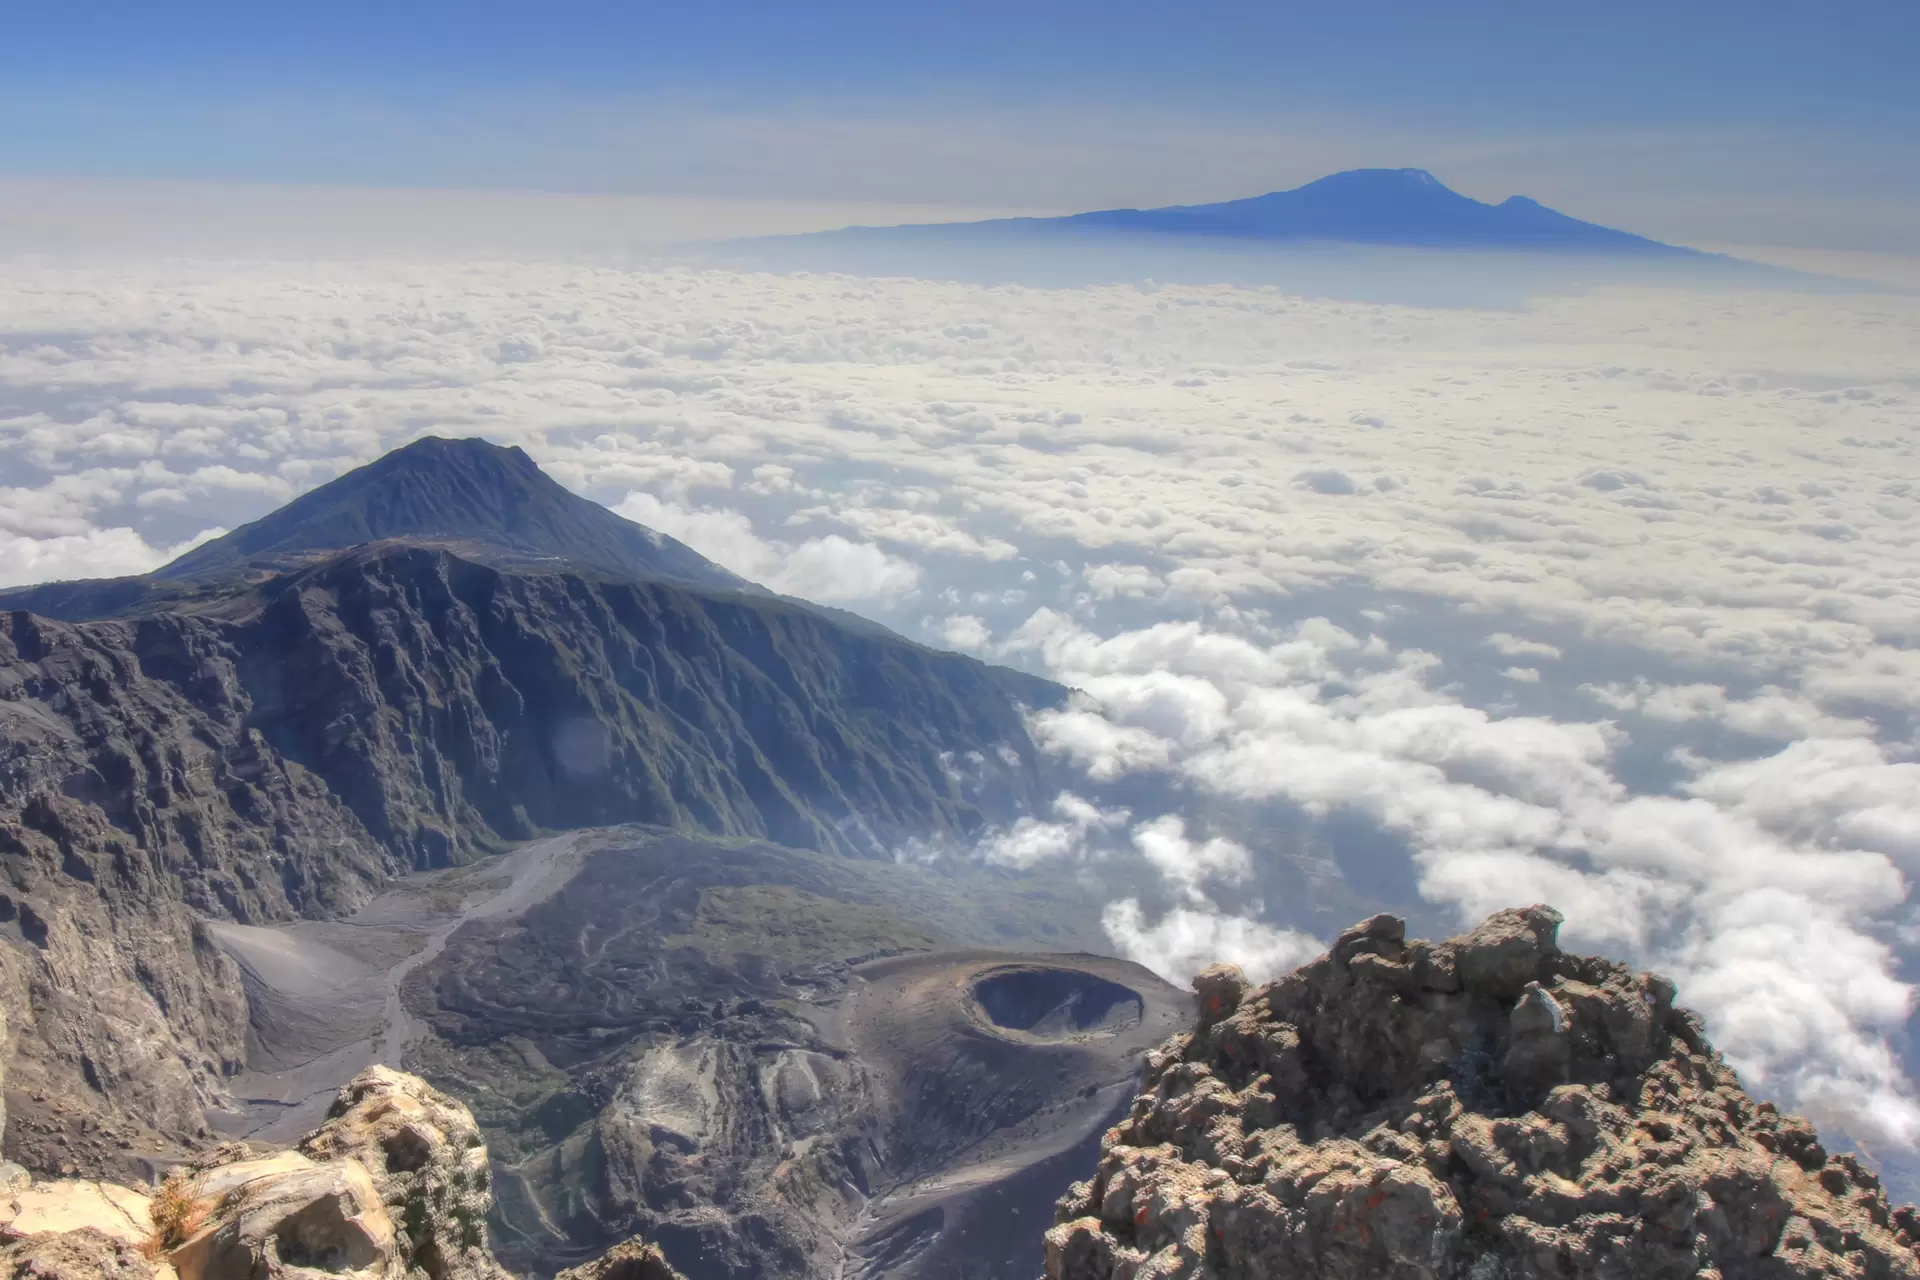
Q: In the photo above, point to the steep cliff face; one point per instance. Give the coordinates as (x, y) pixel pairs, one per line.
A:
(1488, 1108)
(278, 749)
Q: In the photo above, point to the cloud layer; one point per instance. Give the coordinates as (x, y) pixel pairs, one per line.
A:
(1610, 601)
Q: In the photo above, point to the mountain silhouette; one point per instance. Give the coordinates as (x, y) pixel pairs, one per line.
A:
(1381, 207)
(1378, 206)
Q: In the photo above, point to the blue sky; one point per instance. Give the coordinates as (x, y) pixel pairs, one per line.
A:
(1672, 113)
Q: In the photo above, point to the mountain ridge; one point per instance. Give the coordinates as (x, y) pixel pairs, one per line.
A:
(1381, 207)
(274, 737)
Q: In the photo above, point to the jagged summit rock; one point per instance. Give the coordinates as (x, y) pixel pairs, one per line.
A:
(1486, 1108)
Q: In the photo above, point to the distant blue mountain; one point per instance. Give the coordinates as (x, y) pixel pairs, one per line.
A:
(1379, 206)
(1398, 207)
(1377, 235)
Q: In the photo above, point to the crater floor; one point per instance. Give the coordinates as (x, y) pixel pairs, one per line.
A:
(771, 1062)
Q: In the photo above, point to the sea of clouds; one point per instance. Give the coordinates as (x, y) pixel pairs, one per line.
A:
(1610, 601)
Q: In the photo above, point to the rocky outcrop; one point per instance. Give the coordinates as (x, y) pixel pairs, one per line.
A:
(427, 1160)
(634, 1260)
(393, 1186)
(85, 1254)
(76, 1204)
(278, 1216)
(279, 750)
(1487, 1108)
(76, 1229)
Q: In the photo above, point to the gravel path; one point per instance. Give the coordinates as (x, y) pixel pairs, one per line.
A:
(324, 997)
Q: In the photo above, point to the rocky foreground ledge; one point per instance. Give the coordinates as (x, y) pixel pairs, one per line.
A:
(1485, 1108)
(394, 1186)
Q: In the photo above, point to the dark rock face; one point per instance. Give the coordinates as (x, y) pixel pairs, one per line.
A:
(282, 748)
(1488, 1108)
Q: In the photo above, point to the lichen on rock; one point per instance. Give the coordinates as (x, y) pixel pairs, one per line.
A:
(1485, 1108)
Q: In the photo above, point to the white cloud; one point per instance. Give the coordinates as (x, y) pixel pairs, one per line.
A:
(965, 632)
(1728, 886)
(1508, 645)
(1829, 793)
(1031, 841)
(921, 530)
(97, 553)
(1705, 500)
(1188, 864)
(1106, 581)
(1104, 749)
(829, 569)
(1186, 940)
(1771, 712)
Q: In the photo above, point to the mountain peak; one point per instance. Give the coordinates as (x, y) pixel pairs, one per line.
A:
(441, 450)
(1403, 178)
(489, 501)
(1407, 207)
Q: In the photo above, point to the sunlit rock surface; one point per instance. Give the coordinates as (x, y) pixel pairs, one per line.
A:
(1488, 1107)
(394, 1186)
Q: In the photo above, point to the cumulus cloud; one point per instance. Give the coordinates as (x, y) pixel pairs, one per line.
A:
(1607, 601)
(1188, 864)
(1728, 886)
(1187, 939)
(1107, 581)
(1032, 840)
(1508, 645)
(97, 553)
(965, 632)
(1771, 712)
(831, 569)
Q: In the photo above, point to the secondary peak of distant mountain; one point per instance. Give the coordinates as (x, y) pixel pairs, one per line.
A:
(488, 501)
